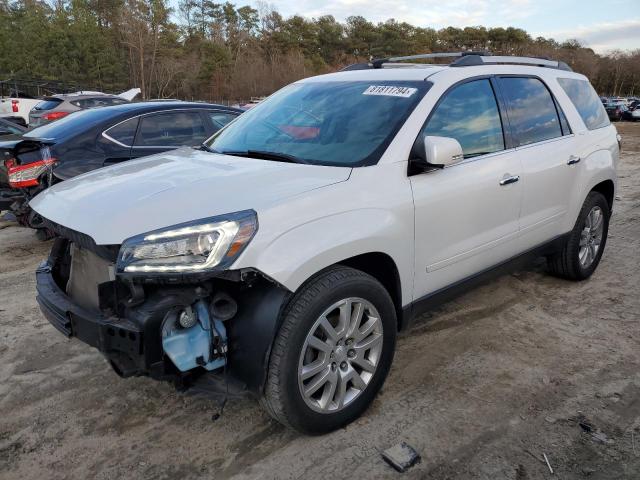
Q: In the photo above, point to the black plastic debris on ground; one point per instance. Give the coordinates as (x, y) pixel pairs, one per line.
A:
(401, 457)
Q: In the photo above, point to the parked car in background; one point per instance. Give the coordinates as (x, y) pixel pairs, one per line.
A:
(616, 110)
(56, 107)
(631, 114)
(95, 138)
(290, 250)
(8, 127)
(17, 106)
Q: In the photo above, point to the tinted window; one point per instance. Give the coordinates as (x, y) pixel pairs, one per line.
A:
(532, 111)
(171, 130)
(48, 104)
(326, 123)
(98, 102)
(220, 119)
(8, 128)
(469, 113)
(586, 101)
(124, 132)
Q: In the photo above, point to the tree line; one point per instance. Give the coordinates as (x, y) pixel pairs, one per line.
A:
(220, 51)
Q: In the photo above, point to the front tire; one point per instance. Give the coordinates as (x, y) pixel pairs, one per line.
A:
(582, 252)
(332, 352)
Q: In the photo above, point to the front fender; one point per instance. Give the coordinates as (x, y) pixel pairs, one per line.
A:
(300, 252)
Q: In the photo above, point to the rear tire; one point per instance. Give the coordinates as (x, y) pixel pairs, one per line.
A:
(583, 250)
(362, 332)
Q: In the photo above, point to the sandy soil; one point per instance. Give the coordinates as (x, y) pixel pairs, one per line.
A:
(482, 388)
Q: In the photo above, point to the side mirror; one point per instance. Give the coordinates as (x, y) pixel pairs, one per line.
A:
(434, 152)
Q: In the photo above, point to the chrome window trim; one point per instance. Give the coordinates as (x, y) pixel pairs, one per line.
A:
(111, 139)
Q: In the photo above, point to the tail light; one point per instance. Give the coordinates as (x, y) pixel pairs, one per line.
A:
(14, 105)
(27, 175)
(54, 115)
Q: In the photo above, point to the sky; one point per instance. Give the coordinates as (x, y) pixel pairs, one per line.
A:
(602, 25)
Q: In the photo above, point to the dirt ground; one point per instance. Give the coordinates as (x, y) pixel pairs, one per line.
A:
(483, 387)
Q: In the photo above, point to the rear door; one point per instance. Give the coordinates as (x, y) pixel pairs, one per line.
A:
(159, 132)
(545, 145)
(466, 215)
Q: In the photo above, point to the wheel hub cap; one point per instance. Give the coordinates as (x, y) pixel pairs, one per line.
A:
(340, 355)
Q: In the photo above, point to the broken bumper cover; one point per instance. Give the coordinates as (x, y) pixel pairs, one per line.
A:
(134, 345)
(120, 340)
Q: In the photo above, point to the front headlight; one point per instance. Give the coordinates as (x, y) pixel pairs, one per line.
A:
(199, 246)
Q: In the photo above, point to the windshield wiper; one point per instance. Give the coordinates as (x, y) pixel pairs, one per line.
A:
(206, 148)
(263, 155)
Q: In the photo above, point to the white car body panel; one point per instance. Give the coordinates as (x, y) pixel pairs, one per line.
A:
(24, 107)
(114, 203)
(438, 227)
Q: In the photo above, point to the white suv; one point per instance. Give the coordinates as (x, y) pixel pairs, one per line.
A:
(288, 251)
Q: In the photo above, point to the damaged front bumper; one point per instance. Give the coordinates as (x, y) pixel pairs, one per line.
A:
(121, 340)
(140, 336)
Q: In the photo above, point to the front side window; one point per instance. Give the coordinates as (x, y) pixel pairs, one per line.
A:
(532, 111)
(171, 130)
(469, 113)
(325, 123)
(586, 101)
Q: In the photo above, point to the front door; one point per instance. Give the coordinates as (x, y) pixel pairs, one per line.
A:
(466, 215)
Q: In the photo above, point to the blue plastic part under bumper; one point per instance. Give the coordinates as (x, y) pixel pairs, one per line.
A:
(191, 347)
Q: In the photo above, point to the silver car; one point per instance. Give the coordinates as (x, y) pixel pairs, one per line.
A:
(56, 107)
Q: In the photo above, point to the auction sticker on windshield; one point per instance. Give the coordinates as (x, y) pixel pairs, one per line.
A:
(390, 91)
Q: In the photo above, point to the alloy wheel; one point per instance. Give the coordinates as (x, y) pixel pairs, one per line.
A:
(340, 355)
(591, 237)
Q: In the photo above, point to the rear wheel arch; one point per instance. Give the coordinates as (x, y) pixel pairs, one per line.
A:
(607, 189)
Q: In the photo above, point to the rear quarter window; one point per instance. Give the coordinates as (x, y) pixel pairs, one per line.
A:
(124, 132)
(586, 101)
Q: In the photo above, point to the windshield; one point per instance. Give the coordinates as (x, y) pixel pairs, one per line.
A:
(73, 123)
(324, 123)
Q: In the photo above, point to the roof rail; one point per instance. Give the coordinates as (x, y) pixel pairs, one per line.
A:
(474, 60)
(467, 59)
(377, 63)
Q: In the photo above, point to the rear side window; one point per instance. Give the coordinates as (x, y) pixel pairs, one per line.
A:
(48, 104)
(171, 130)
(220, 119)
(469, 113)
(532, 111)
(586, 101)
(124, 132)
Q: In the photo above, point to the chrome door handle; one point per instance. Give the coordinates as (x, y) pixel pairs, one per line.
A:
(507, 179)
(573, 160)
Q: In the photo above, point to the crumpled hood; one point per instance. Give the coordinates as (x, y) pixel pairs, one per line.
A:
(115, 203)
